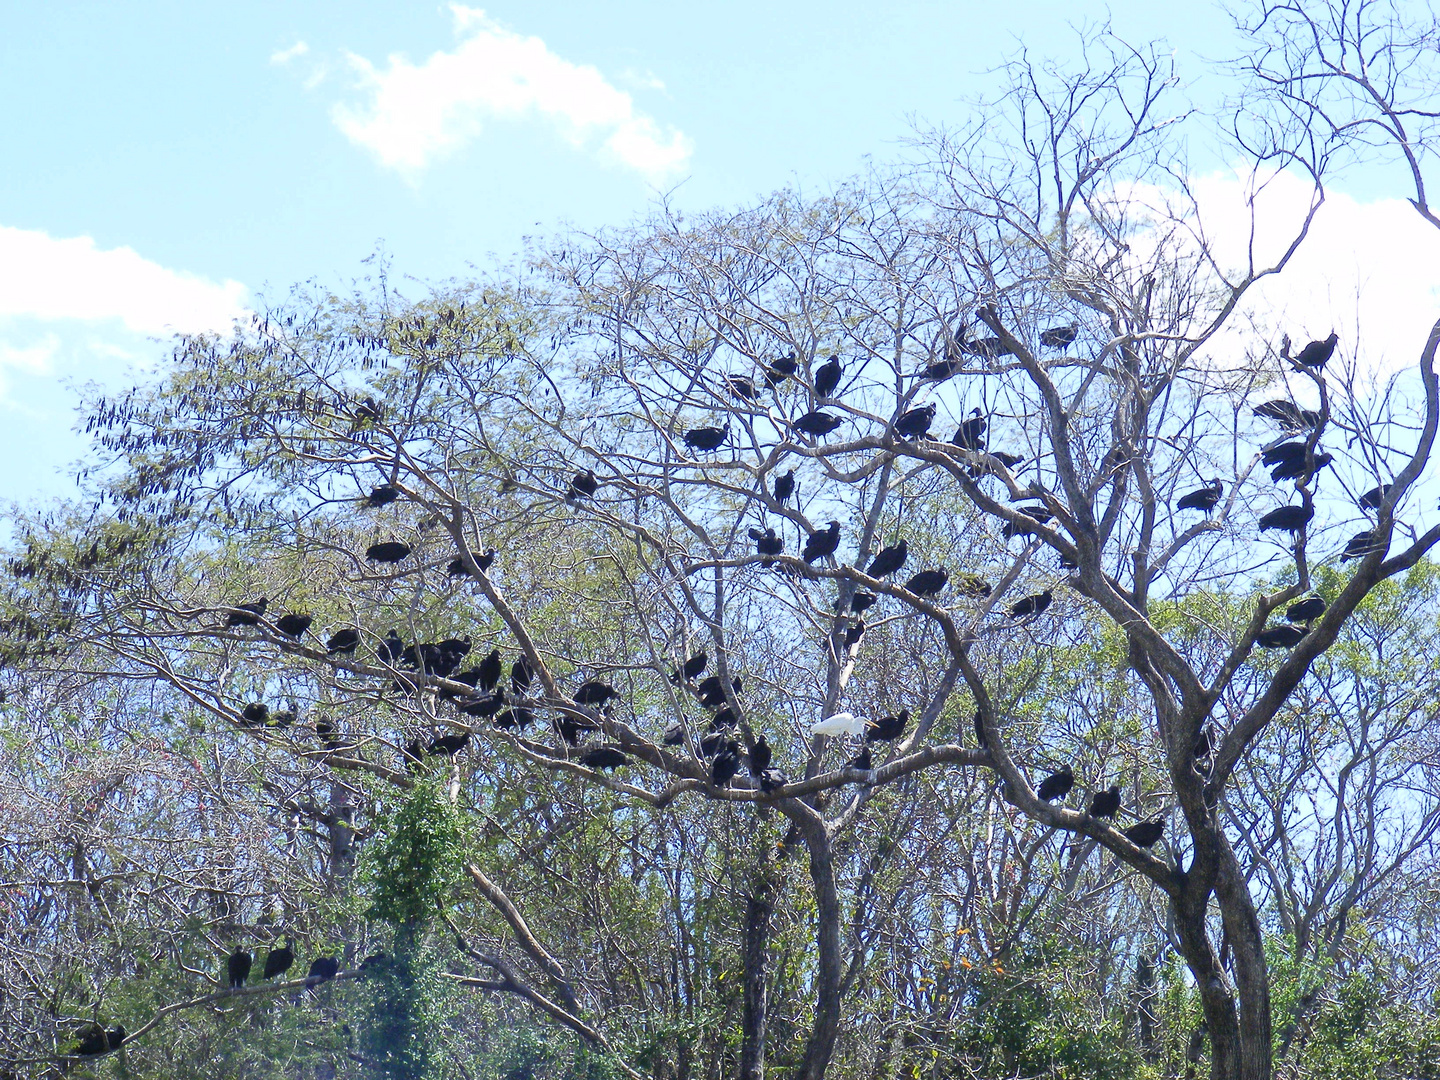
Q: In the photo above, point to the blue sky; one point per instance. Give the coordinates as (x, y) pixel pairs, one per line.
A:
(168, 163)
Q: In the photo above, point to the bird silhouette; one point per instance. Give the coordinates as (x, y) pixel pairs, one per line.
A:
(888, 560)
(1106, 803)
(707, 438)
(853, 634)
(322, 969)
(449, 745)
(767, 543)
(861, 761)
(293, 625)
(725, 764)
(760, 756)
(971, 434)
(521, 675)
(862, 601)
(743, 387)
(515, 718)
(1037, 514)
(822, 543)
(818, 423)
(1362, 544)
(1307, 610)
(96, 1040)
(674, 735)
(888, 728)
(1146, 834)
(1372, 499)
(247, 614)
(1031, 605)
(1057, 785)
(595, 694)
(1203, 745)
(489, 671)
(582, 486)
(255, 714)
(413, 755)
(1290, 416)
(1289, 519)
(343, 641)
(784, 486)
(486, 706)
(1316, 353)
(390, 648)
(1283, 636)
(383, 495)
(780, 370)
(979, 729)
(603, 757)
(1059, 337)
(1203, 498)
(711, 691)
(1296, 470)
(712, 744)
(691, 668)
(279, 960)
(827, 377)
(915, 423)
(237, 968)
(942, 370)
(928, 582)
(390, 551)
(772, 780)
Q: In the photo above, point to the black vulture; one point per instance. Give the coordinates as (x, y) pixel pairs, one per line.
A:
(1037, 514)
(784, 486)
(486, 706)
(460, 568)
(767, 543)
(255, 714)
(724, 719)
(582, 485)
(1362, 544)
(1372, 499)
(780, 370)
(862, 601)
(390, 649)
(247, 614)
(390, 551)
(603, 757)
(1283, 636)
(1146, 834)
(1031, 605)
(822, 543)
(915, 423)
(818, 423)
(1316, 353)
(888, 560)
(861, 761)
(1203, 498)
(369, 411)
(827, 377)
(691, 668)
(726, 764)
(237, 968)
(760, 756)
(706, 438)
(96, 1040)
(888, 728)
(1307, 610)
(1059, 337)
(979, 729)
(1290, 415)
(1285, 453)
(1203, 745)
(942, 370)
(374, 960)
(971, 434)
(383, 495)
(1057, 785)
(490, 671)
(515, 718)
(976, 588)
(449, 745)
(1296, 470)
(743, 387)
(928, 582)
(595, 694)
(712, 693)
(772, 780)
(1105, 803)
(674, 735)
(322, 969)
(853, 634)
(293, 625)
(343, 641)
(712, 743)
(279, 960)
(1008, 460)
(522, 674)
(988, 348)
(413, 755)
(1289, 519)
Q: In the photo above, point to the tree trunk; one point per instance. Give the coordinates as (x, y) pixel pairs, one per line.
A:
(1252, 976)
(826, 1029)
(758, 909)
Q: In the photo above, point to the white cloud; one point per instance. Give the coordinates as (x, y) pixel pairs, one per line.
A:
(419, 113)
(34, 359)
(284, 56)
(47, 278)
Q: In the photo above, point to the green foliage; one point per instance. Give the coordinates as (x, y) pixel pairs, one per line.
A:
(417, 858)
